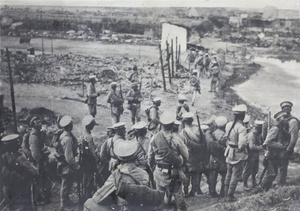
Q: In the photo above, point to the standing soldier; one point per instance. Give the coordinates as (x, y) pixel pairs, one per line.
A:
(25, 133)
(17, 175)
(68, 166)
(39, 153)
(215, 71)
(217, 163)
(198, 64)
(197, 149)
(88, 157)
(92, 95)
(190, 57)
(134, 76)
(206, 67)
(246, 123)
(153, 115)
(182, 107)
(166, 156)
(294, 126)
(275, 144)
(195, 83)
(116, 103)
(134, 97)
(106, 152)
(236, 152)
(255, 146)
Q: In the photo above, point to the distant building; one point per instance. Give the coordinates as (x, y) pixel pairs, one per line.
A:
(171, 31)
(195, 12)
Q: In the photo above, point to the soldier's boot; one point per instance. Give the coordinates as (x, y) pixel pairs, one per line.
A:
(230, 196)
(246, 188)
(222, 191)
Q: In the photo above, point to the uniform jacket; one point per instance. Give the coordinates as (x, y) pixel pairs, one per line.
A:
(91, 94)
(236, 143)
(88, 148)
(134, 97)
(115, 100)
(181, 109)
(36, 145)
(153, 117)
(142, 153)
(159, 145)
(274, 141)
(255, 146)
(195, 82)
(294, 132)
(70, 146)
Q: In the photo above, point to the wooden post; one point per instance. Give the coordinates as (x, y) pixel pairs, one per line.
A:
(168, 62)
(12, 93)
(179, 55)
(162, 67)
(43, 45)
(51, 46)
(172, 56)
(176, 56)
(83, 88)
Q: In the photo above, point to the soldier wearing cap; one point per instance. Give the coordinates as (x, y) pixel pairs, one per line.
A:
(134, 76)
(89, 158)
(198, 158)
(92, 95)
(107, 155)
(236, 152)
(17, 175)
(246, 123)
(166, 156)
(217, 163)
(127, 184)
(275, 144)
(153, 115)
(24, 132)
(110, 132)
(134, 97)
(39, 153)
(115, 99)
(214, 73)
(195, 84)
(176, 127)
(294, 126)
(255, 146)
(199, 63)
(68, 166)
(182, 107)
(191, 57)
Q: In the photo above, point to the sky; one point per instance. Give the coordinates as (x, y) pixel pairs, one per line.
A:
(280, 4)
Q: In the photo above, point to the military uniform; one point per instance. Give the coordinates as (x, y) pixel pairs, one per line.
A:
(154, 116)
(195, 83)
(115, 100)
(17, 175)
(69, 166)
(235, 153)
(215, 78)
(134, 97)
(92, 97)
(166, 155)
(182, 107)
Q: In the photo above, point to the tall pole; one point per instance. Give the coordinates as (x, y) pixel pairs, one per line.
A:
(179, 54)
(12, 93)
(176, 56)
(168, 62)
(162, 67)
(172, 56)
(43, 45)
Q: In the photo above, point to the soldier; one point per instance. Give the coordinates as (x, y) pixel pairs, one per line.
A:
(236, 152)
(116, 103)
(197, 149)
(68, 166)
(182, 107)
(255, 146)
(134, 76)
(215, 71)
(198, 64)
(88, 158)
(166, 156)
(294, 126)
(106, 152)
(39, 153)
(206, 65)
(24, 133)
(17, 175)
(190, 57)
(134, 97)
(153, 115)
(275, 144)
(127, 185)
(92, 95)
(246, 123)
(195, 83)
(110, 131)
(176, 127)
(217, 163)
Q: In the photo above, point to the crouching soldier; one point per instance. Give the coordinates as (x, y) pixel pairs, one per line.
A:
(17, 175)
(127, 185)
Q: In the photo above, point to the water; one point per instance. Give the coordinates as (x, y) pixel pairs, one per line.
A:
(276, 82)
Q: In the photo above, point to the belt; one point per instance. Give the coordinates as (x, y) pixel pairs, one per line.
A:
(233, 146)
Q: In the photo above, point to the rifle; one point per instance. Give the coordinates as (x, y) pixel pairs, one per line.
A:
(79, 177)
(141, 79)
(121, 94)
(199, 126)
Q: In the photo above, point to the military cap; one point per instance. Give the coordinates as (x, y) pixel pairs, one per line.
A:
(221, 121)
(206, 54)
(167, 118)
(125, 149)
(239, 109)
(280, 114)
(182, 98)
(157, 99)
(32, 120)
(286, 104)
(113, 84)
(139, 125)
(259, 122)
(87, 120)
(246, 119)
(119, 125)
(109, 128)
(188, 115)
(65, 121)
(135, 84)
(176, 122)
(204, 127)
(195, 71)
(10, 139)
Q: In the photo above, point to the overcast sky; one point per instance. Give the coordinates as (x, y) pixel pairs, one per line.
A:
(280, 4)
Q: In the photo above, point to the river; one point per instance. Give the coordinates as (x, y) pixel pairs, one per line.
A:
(276, 82)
